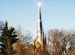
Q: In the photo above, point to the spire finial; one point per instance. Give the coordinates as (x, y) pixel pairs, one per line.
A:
(39, 4)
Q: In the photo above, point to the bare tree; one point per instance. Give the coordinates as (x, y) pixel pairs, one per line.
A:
(60, 42)
(23, 46)
(25, 37)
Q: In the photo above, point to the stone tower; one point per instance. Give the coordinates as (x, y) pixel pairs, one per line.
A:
(40, 40)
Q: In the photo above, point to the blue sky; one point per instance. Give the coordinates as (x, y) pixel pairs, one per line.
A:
(56, 14)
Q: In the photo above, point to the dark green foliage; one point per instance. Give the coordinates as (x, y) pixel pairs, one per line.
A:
(7, 38)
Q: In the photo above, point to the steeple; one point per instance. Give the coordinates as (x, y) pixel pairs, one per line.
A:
(40, 40)
(40, 27)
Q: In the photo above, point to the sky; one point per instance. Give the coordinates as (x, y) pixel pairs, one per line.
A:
(56, 14)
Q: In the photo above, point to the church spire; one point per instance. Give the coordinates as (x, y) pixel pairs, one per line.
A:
(40, 28)
(40, 40)
(39, 20)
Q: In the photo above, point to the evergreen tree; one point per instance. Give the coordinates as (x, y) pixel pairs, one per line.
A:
(7, 38)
